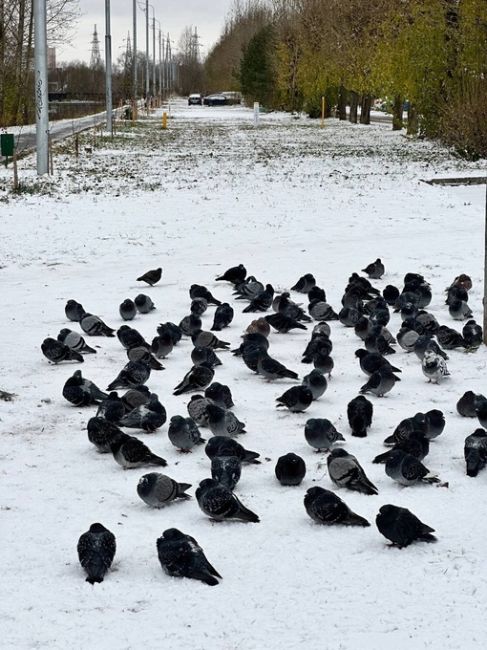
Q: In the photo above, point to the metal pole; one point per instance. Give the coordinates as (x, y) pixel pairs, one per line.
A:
(108, 68)
(41, 88)
(154, 93)
(147, 51)
(160, 63)
(134, 55)
(485, 269)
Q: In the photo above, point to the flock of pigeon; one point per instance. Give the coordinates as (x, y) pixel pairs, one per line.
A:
(364, 309)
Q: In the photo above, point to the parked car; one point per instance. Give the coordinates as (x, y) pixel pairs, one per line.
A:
(195, 99)
(232, 97)
(215, 100)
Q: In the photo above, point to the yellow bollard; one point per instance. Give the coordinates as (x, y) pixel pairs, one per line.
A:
(164, 120)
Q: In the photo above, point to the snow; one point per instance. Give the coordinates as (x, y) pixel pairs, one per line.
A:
(285, 198)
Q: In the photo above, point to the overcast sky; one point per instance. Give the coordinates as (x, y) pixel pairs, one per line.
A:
(207, 15)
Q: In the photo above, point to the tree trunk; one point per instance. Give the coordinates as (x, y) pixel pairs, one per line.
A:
(397, 123)
(28, 107)
(412, 120)
(19, 58)
(2, 61)
(353, 106)
(342, 103)
(365, 109)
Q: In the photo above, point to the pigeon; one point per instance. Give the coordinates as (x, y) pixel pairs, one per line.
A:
(359, 413)
(208, 340)
(161, 346)
(401, 527)
(316, 293)
(220, 504)
(171, 329)
(144, 304)
(151, 277)
(324, 363)
(112, 408)
(297, 399)
(135, 397)
(253, 340)
(102, 433)
(378, 344)
(220, 394)
(407, 470)
(56, 352)
(345, 471)
(222, 422)
(320, 310)
(287, 307)
(435, 423)
(143, 355)
(201, 355)
(197, 378)
(304, 284)
(198, 291)
(322, 328)
(472, 335)
(223, 317)
(248, 289)
(449, 339)
(262, 301)
(434, 367)
(82, 392)
(226, 470)
(190, 324)
(456, 293)
(130, 453)
(371, 362)
(476, 451)
(74, 311)
(321, 434)
(94, 326)
(325, 507)
(380, 382)
(407, 338)
(127, 309)
(425, 342)
(223, 446)
(184, 433)
(416, 423)
(427, 322)
(283, 324)
(198, 306)
(463, 280)
(375, 270)
(316, 382)
(197, 409)
(181, 556)
(390, 294)
(158, 490)
(468, 403)
(319, 344)
(363, 328)
(271, 369)
(415, 444)
(349, 316)
(133, 374)
(259, 326)
(96, 550)
(74, 341)
(481, 411)
(459, 310)
(234, 275)
(290, 469)
(251, 355)
(131, 338)
(148, 417)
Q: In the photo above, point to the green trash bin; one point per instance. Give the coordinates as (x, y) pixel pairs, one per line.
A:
(7, 144)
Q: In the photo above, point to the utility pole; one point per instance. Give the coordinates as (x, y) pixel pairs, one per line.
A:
(41, 88)
(147, 52)
(485, 269)
(108, 68)
(160, 63)
(154, 56)
(134, 58)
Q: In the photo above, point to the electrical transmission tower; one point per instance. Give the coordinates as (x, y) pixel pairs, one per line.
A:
(95, 61)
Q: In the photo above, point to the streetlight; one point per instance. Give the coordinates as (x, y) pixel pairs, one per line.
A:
(108, 68)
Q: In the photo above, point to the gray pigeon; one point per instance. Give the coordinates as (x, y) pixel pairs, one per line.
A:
(204, 339)
(320, 310)
(198, 306)
(151, 277)
(325, 507)
(74, 311)
(223, 317)
(135, 397)
(220, 504)
(223, 422)
(82, 392)
(224, 446)
(375, 270)
(184, 433)
(74, 341)
(129, 337)
(380, 382)
(407, 338)
(181, 556)
(475, 450)
(434, 367)
(133, 374)
(271, 369)
(112, 408)
(468, 403)
(407, 470)
(94, 326)
(56, 352)
(321, 434)
(158, 490)
(226, 470)
(148, 417)
(131, 453)
(220, 394)
(345, 471)
(197, 378)
(190, 325)
(144, 304)
(102, 433)
(201, 355)
(401, 527)
(96, 550)
(197, 409)
(127, 309)
(316, 382)
(161, 346)
(297, 399)
(459, 310)
(142, 354)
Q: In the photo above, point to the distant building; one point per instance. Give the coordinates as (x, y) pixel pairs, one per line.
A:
(51, 58)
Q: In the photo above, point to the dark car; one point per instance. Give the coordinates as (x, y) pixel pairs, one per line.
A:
(215, 100)
(195, 100)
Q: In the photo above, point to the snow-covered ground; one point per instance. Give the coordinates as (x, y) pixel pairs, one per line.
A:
(284, 199)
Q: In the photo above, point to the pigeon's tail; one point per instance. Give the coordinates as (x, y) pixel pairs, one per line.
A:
(367, 487)
(426, 535)
(223, 345)
(75, 356)
(359, 427)
(382, 458)
(307, 359)
(247, 515)
(157, 460)
(107, 331)
(353, 519)
(217, 327)
(251, 457)
(390, 441)
(182, 487)
(431, 478)
(237, 352)
(182, 388)
(94, 579)
(99, 395)
(87, 350)
(201, 441)
(300, 326)
(154, 364)
(474, 462)
(289, 373)
(116, 383)
(332, 316)
(207, 578)
(394, 369)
